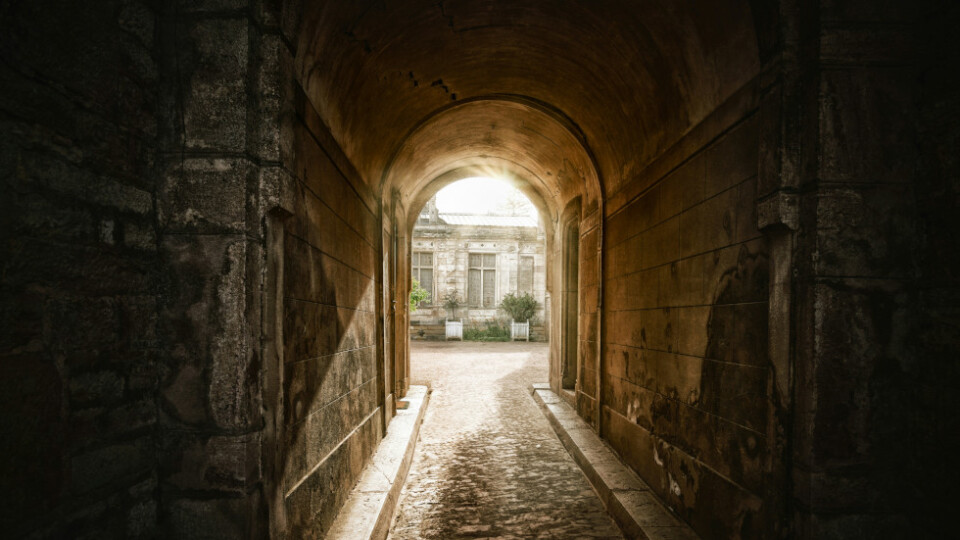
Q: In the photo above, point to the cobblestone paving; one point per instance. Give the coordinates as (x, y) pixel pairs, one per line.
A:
(488, 464)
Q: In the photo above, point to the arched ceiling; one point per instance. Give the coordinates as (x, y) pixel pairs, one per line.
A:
(624, 79)
(547, 211)
(497, 137)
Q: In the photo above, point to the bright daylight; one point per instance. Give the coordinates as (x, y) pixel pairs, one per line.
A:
(484, 195)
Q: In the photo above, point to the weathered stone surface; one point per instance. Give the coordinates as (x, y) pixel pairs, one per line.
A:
(310, 439)
(206, 196)
(863, 232)
(325, 181)
(209, 373)
(321, 227)
(686, 342)
(97, 468)
(311, 505)
(224, 463)
(78, 285)
(316, 382)
(214, 74)
(206, 518)
(329, 327)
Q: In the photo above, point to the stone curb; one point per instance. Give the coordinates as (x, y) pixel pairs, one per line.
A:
(634, 507)
(368, 512)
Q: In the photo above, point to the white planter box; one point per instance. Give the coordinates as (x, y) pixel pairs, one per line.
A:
(455, 329)
(520, 330)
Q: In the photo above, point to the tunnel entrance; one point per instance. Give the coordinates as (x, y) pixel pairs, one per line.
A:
(478, 266)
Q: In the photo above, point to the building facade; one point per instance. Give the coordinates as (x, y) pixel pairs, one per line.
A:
(479, 258)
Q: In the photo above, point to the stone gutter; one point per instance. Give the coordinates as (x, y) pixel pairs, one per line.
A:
(368, 512)
(628, 499)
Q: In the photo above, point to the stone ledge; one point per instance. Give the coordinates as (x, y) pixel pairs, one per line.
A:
(368, 512)
(634, 507)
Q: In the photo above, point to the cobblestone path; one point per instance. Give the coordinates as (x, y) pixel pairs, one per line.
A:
(488, 464)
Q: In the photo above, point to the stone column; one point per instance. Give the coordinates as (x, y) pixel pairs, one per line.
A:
(837, 162)
(222, 170)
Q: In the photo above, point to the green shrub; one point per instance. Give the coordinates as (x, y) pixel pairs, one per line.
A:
(417, 295)
(490, 331)
(521, 307)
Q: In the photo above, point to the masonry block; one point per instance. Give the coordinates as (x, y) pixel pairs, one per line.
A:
(210, 378)
(214, 78)
(205, 195)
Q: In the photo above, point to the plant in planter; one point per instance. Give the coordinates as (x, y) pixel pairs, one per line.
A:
(520, 307)
(451, 301)
(491, 330)
(417, 295)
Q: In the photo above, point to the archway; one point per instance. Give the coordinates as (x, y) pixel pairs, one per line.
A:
(531, 146)
(476, 241)
(636, 126)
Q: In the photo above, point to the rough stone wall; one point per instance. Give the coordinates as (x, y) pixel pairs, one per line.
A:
(685, 386)
(873, 385)
(932, 385)
(332, 407)
(78, 268)
(223, 165)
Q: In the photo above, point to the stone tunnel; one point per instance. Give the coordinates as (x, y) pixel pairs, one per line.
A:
(750, 212)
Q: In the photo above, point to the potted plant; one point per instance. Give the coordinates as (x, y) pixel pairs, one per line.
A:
(451, 301)
(521, 308)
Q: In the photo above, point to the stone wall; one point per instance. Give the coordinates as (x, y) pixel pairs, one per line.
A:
(78, 269)
(225, 164)
(932, 381)
(870, 362)
(332, 406)
(685, 388)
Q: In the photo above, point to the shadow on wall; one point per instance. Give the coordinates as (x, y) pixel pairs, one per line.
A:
(330, 384)
(711, 446)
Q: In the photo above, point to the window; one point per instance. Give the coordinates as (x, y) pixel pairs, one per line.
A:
(422, 271)
(482, 283)
(525, 275)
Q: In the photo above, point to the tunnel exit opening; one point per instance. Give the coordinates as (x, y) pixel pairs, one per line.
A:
(478, 258)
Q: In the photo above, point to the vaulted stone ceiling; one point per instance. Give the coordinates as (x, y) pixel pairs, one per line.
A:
(604, 85)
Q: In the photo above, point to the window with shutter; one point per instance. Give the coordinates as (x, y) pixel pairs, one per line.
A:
(489, 283)
(525, 275)
(482, 280)
(474, 287)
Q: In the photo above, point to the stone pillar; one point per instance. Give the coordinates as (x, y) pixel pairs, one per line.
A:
(837, 164)
(222, 170)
